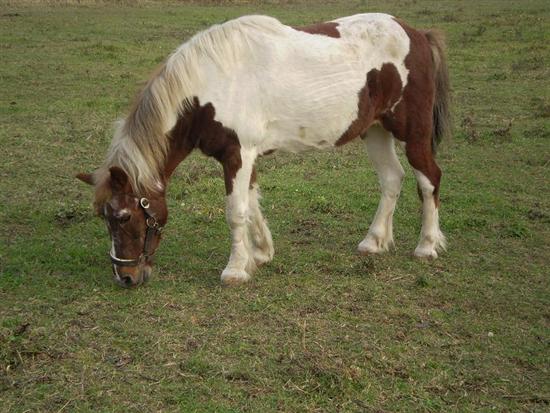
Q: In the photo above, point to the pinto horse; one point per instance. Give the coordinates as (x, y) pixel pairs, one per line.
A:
(253, 85)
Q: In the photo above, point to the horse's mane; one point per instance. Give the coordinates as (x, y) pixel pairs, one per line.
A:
(142, 140)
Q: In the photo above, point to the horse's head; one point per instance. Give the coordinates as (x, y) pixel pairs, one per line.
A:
(134, 222)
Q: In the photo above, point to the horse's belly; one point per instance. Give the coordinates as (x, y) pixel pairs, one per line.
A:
(311, 131)
(310, 118)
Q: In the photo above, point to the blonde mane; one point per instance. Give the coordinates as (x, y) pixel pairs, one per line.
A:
(141, 140)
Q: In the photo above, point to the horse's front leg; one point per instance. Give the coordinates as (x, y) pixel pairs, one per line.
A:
(237, 171)
(260, 236)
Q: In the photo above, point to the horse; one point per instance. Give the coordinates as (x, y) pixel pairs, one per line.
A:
(253, 85)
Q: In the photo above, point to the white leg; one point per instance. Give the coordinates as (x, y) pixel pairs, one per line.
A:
(260, 235)
(381, 150)
(241, 262)
(431, 237)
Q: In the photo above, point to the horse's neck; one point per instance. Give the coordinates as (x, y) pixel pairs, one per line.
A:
(197, 128)
(181, 144)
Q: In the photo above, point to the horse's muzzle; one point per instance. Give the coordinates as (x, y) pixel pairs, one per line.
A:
(128, 279)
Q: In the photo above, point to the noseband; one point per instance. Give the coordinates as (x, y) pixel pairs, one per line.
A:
(153, 228)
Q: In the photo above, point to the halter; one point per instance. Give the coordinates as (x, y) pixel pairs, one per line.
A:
(153, 228)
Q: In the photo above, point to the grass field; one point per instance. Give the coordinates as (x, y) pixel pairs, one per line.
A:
(320, 329)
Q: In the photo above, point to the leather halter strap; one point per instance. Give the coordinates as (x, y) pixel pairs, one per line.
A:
(153, 228)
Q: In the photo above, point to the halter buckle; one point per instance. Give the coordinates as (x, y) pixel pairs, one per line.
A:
(151, 222)
(144, 202)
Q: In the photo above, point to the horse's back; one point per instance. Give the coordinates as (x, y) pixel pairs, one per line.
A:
(293, 89)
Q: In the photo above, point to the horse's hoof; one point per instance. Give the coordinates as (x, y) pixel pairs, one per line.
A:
(425, 253)
(370, 246)
(261, 258)
(366, 251)
(232, 277)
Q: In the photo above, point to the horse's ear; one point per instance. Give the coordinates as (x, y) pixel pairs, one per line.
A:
(86, 178)
(119, 179)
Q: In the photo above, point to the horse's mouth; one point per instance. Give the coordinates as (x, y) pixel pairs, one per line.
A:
(128, 280)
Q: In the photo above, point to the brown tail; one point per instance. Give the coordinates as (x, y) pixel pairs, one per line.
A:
(442, 104)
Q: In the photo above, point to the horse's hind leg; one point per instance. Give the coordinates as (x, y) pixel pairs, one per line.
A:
(381, 150)
(260, 236)
(428, 177)
(238, 165)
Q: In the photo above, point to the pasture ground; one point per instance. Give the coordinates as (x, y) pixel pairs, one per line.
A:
(319, 328)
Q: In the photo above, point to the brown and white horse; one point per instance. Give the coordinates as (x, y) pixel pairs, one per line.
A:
(253, 85)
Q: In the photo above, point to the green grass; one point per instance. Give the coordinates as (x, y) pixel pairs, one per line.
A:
(319, 328)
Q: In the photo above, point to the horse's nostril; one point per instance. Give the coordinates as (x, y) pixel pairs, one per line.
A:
(127, 281)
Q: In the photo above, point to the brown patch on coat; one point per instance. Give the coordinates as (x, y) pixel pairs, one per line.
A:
(326, 29)
(197, 128)
(412, 120)
(381, 91)
(181, 144)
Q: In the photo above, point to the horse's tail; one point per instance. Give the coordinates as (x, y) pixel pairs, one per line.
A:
(442, 103)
